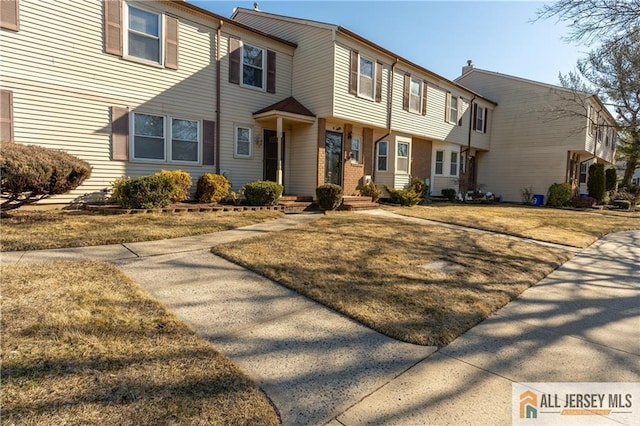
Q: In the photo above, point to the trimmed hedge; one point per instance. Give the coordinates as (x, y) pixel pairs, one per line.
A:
(144, 192)
(371, 190)
(182, 181)
(449, 193)
(404, 197)
(582, 202)
(212, 188)
(30, 173)
(559, 194)
(262, 193)
(596, 182)
(329, 196)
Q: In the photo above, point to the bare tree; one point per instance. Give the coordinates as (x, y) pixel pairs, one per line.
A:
(593, 20)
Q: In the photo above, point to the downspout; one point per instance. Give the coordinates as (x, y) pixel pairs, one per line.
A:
(389, 109)
(218, 60)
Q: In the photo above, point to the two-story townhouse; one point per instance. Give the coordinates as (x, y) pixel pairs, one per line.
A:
(379, 116)
(134, 87)
(542, 134)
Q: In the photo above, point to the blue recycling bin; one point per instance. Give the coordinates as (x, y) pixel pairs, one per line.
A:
(538, 199)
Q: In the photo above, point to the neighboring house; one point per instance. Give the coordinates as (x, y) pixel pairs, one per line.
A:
(379, 116)
(541, 134)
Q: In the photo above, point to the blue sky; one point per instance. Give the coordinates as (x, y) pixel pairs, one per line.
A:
(442, 35)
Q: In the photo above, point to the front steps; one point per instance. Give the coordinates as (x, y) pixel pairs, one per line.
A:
(354, 202)
(301, 204)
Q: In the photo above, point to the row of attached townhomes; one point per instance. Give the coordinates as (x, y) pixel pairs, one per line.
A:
(134, 87)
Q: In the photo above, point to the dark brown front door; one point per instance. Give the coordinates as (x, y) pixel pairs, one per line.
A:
(333, 158)
(271, 155)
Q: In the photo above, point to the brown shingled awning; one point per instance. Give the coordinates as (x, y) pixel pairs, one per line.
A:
(288, 108)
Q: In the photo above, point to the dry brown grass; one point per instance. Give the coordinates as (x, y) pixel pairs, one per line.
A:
(569, 227)
(81, 344)
(369, 269)
(36, 230)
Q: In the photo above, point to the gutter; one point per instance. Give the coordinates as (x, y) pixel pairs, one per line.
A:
(218, 65)
(389, 110)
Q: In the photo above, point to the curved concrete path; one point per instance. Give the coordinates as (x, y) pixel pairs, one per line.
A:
(581, 323)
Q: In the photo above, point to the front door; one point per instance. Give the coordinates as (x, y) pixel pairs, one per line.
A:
(271, 155)
(333, 158)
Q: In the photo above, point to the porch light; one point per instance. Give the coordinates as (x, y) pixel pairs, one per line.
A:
(258, 140)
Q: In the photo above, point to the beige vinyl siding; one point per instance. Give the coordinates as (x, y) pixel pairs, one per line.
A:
(240, 102)
(312, 61)
(352, 107)
(64, 84)
(528, 144)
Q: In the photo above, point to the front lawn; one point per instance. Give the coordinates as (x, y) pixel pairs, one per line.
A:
(82, 344)
(36, 230)
(569, 227)
(379, 271)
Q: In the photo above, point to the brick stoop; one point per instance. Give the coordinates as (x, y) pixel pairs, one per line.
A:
(297, 204)
(353, 202)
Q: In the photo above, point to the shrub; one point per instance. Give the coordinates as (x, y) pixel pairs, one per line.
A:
(624, 194)
(144, 192)
(449, 194)
(418, 186)
(582, 202)
(559, 194)
(212, 188)
(182, 181)
(622, 204)
(527, 195)
(611, 179)
(262, 193)
(371, 190)
(31, 173)
(596, 182)
(404, 197)
(329, 196)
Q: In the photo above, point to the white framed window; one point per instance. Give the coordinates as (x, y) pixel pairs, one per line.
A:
(439, 162)
(582, 177)
(355, 150)
(143, 34)
(453, 167)
(480, 118)
(382, 155)
(242, 141)
(253, 66)
(415, 95)
(366, 77)
(402, 157)
(463, 160)
(160, 138)
(453, 110)
(185, 137)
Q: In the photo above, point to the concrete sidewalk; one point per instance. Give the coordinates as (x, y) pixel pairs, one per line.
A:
(581, 323)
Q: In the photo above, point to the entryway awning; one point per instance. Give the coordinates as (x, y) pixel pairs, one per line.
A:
(289, 109)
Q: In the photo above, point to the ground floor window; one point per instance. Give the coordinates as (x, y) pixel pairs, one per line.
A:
(160, 137)
(439, 162)
(402, 157)
(453, 169)
(583, 173)
(355, 150)
(382, 156)
(242, 145)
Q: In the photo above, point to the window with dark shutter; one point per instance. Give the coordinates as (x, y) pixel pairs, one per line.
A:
(234, 60)
(6, 116)
(113, 27)
(119, 133)
(10, 14)
(271, 71)
(378, 82)
(424, 98)
(353, 73)
(406, 89)
(171, 43)
(208, 142)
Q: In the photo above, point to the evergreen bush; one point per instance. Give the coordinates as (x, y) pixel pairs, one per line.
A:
(263, 193)
(329, 196)
(611, 179)
(371, 190)
(211, 188)
(182, 181)
(404, 197)
(418, 186)
(144, 192)
(559, 195)
(596, 182)
(449, 194)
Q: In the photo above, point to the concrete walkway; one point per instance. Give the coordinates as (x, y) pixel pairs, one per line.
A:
(581, 323)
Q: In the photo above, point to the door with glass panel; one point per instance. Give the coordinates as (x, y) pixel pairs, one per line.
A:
(333, 158)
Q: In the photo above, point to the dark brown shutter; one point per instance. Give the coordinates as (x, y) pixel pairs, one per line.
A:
(113, 27)
(407, 88)
(271, 71)
(119, 133)
(171, 43)
(378, 82)
(484, 121)
(473, 120)
(424, 98)
(234, 60)
(208, 142)
(10, 14)
(6, 116)
(353, 73)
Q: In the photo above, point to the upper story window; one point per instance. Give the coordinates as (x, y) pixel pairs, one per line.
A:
(158, 137)
(402, 157)
(415, 95)
(355, 150)
(439, 162)
(144, 31)
(480, 118)
(382, 154)
(453, 110)
(253, 63)
(366, 69)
